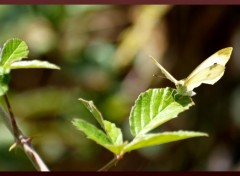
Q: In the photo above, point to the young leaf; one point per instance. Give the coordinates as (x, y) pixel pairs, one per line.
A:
(147, 140)
(114, 133)
(92, 132)
(97, 135)
(155, 107)
(33, 64)
(13, 50)
(92, 108)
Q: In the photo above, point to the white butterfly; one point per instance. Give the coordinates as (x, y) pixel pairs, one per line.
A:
(208, 72)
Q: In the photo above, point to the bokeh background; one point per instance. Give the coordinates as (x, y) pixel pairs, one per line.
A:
(103, 52)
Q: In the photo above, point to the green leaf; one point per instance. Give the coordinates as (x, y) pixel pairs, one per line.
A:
(97, 135)
(155, 107)
(92, 108)
(147, 140)
(114, 133)
(92, 132)
(4, 80)
(13, 50)
(33, 64)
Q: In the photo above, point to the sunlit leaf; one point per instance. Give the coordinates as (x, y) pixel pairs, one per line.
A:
(97, 135)
(33, 64)
(147, 140)
(92, 132)
(114, 133)
(13, 50)
(155, 107)
(92, 108)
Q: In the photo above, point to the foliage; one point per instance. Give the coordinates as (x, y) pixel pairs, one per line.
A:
(12, 53)
(152, 109)
(14, 50)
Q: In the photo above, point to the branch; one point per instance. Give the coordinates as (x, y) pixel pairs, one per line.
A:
(20, 139)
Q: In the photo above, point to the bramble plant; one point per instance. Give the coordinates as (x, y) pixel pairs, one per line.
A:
(152, 108)
(11, 57)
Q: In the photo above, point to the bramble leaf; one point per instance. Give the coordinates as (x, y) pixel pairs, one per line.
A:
(114, 133)
(97, 135)
(13, 50)
(155, 107)
(33, 64)
(147, 140)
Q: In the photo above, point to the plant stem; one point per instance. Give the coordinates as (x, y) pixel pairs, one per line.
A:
(15, 129)
(20, 139)
(110, 164)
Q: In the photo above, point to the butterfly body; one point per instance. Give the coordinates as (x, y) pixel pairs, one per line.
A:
(208, 72)
(182, 89)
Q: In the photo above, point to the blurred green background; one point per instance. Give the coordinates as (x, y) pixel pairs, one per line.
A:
(103, 52)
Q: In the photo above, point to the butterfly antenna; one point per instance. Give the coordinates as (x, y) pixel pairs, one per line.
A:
(158, 76)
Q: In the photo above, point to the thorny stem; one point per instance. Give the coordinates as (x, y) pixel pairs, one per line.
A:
(15, 128)
(21, 140)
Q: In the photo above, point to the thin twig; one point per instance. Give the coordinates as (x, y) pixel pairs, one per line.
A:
(110, 164)
(20, 139)
(15, 128)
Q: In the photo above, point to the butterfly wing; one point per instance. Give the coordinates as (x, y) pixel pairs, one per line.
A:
(165, 72)
(208, 72)
(221, 57)
(208, 75)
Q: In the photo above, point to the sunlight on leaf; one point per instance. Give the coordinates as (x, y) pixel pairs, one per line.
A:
(92, 132)
(147, 140)
(97, 135)
(33, 64)
(114, 133)
(13, 50)
(155, 107)
(92, 108)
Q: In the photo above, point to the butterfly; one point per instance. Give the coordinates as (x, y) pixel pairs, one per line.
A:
(208, 72)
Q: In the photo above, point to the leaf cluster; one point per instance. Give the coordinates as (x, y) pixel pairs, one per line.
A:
(152, 109)
(11, 57)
